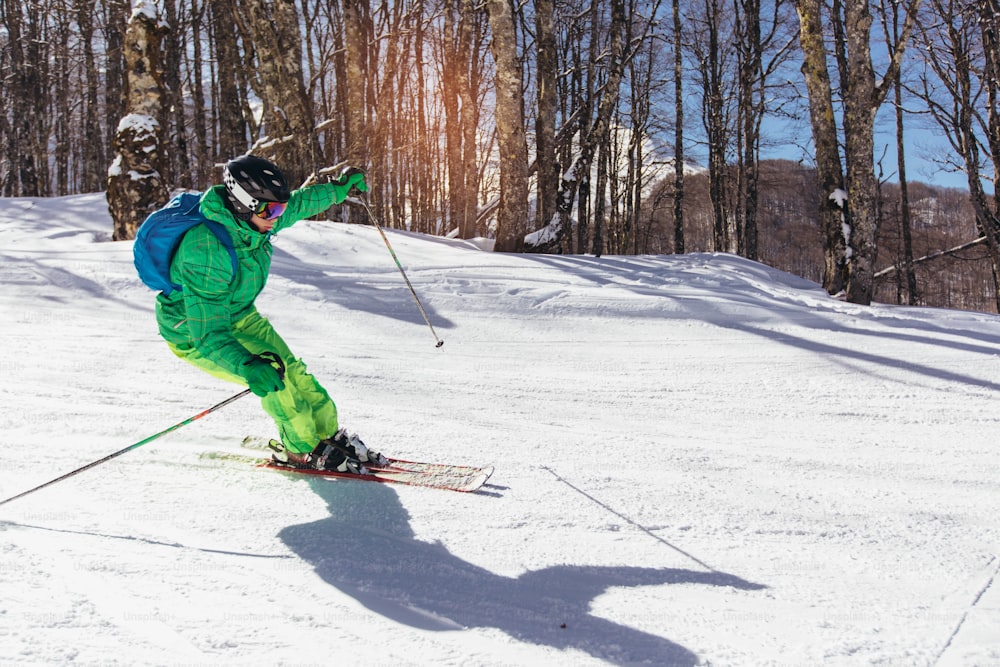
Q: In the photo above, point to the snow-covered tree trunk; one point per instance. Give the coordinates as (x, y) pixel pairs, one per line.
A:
(860, 106)
(829, 171)
(135, 184)
(116, 16)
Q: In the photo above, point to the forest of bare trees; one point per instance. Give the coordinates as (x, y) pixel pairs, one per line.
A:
(548, 125)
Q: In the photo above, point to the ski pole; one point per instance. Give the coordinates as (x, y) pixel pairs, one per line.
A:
(130, 447)
(400, 267)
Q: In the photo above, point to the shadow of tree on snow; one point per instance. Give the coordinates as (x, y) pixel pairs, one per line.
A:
(368, 550)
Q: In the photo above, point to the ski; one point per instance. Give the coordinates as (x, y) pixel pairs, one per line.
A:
(462, 478)
(465, 479)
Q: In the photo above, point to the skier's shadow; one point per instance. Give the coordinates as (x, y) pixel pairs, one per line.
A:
(368, 550)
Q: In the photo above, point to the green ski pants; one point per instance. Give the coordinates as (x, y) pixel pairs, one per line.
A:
(302, 411)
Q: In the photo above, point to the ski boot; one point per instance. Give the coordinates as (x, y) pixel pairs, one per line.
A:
(348, 450)
(341, 453)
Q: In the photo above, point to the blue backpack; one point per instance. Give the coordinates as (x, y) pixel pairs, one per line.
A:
(161, 233)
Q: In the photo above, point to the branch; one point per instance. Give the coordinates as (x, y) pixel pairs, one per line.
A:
(883, 87)
(934, 255)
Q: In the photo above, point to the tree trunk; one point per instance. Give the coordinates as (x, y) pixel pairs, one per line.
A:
(115, 24)
(201, 162)
(548, 105)
(232, 125)
(989, 24)
(451, 101)
(468, 82)
(513, 212)
(94, 164)
(890, 24)
(862, 98)
(678, 131)
(288, 116)
(859, 151)
(752, 108)
(600, 200)
(988, 207)
(584, 214)
(356, 31)
(716, 122)
(27, 97)
(341, 101)
(135, 183)
(59, 117)
(829, 172)
(913, 296)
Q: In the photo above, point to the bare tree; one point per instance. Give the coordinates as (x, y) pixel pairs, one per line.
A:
(462, 33)
(26, 149)
(714, 50)
(862, 96)
(551, 237)
(678, 195)
(890, 28)
(763, 45)
(963, 55)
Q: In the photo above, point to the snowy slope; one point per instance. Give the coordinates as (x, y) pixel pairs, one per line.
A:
(730, 467)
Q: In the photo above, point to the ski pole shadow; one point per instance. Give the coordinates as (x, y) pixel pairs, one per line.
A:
(368, 550)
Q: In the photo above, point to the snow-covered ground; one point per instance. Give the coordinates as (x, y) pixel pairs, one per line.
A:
(700, 460)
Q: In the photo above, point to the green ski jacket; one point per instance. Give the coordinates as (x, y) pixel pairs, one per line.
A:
(203, 314)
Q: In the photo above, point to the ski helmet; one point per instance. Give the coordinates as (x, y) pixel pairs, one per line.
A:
(251, 180)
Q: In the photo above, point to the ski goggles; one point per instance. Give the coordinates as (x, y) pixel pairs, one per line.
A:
(270, 210)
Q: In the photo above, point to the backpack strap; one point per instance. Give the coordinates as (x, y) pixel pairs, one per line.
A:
(226, 240)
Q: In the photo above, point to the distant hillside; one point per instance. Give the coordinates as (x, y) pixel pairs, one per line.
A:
(790, 237)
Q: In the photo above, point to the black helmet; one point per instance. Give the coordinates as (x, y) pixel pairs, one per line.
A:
(251, 180)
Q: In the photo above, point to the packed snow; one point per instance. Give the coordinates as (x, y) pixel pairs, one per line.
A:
(699, 460)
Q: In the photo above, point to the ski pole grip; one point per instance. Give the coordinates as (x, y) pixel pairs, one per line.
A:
(273, 359)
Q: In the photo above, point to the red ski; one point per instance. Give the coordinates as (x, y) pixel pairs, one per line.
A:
(461, 478)
(412, 473)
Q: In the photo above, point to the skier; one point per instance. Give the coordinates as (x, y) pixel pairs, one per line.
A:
(212, 322)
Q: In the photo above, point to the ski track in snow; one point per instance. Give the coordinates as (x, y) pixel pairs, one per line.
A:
(730, 467)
